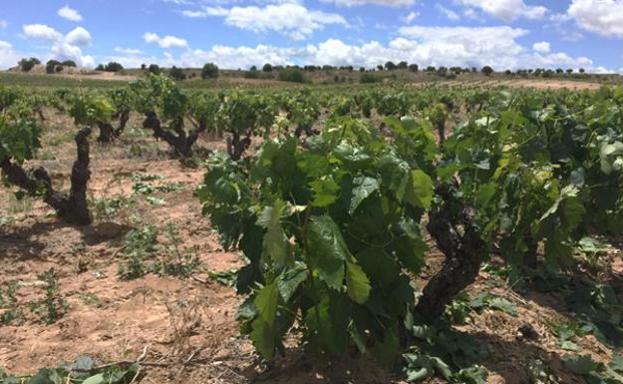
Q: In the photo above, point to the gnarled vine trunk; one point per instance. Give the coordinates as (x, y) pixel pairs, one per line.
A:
(237, 145)
(181, 142)
(464, 249)
(72, 207)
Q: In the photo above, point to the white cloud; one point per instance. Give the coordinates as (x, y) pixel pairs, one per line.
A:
(79, 36)
(448, 46)
(4, 24)
(507, 10)
(41, 32)
(388, 3)
(410, 17)
(290, 19)
(604, 17)
(450, 14)
(542, 47)
(69, 13)
(62, 47)
(128, 51)
(165, 42)
(8, 56)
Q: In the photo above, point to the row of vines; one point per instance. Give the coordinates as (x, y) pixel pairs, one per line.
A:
(334, 199)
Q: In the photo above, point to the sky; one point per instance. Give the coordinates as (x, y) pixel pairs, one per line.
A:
(506, 34)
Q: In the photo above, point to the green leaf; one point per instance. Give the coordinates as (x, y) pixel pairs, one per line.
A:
(328, 322)
(325, 192)
(266, 302)
(264, 330)
(96, 379)
(357, 283)
(363, 188)
(420, 192)
(263, 335)
(275, 244)
(328, 250)
(291, 279)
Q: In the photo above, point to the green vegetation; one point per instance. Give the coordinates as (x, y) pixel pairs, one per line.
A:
(334, 196)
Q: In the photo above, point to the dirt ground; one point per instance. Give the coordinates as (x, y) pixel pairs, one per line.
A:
(188, 325)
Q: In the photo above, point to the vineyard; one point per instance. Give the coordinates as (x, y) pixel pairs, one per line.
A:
(352, 234)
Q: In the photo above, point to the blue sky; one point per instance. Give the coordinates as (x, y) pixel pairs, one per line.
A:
(507, 34)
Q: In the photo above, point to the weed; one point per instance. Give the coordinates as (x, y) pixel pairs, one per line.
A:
(176, 261)
(12, 313)
(139, 245)
(226, 278)
(107, 208)
(91, 299)
(54, 306)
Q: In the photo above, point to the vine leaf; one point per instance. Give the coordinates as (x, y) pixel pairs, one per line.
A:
(328, 251)
(264, 328)
(275, 245)
(364, 187)
(357, 283)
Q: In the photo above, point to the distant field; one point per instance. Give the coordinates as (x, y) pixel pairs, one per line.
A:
(321, 79)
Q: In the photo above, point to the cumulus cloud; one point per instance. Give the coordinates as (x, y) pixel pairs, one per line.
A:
(604, 17)
(507, 10)
(69, 14)
(8, 56)
(290, 19)
(165, 42)
(79, 37)
(542, 47)
(448, 46)
(41, 32)
(63, 47)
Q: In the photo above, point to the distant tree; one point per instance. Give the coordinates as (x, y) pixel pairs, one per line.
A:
(209, 71)
(508, 72)
(26, 65)
(177, 73)
(267, 68)
(430, 68)
(582, 70)
(414, 67)
(52, 66)
(390, 66)
(69, 63)
(253, 68)
(569, 71)
(487, 70)
(362, 69)
(110, 67)
(368, 78)
(154, 68)
(559, 71)
(143, 66)
(379, 67)
(403, 65)
(292, 75)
